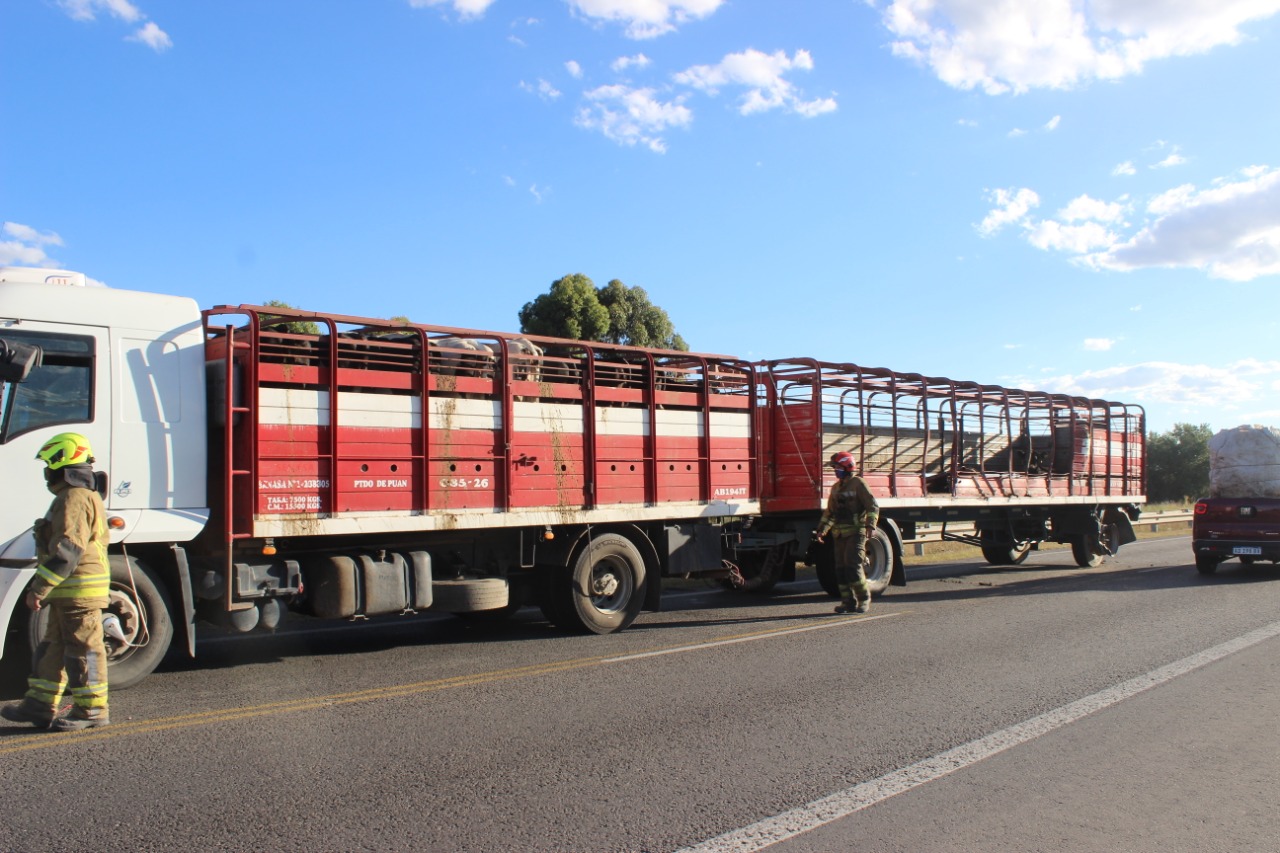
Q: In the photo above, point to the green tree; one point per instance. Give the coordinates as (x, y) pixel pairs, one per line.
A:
(635, 321)
(571, 309)
(297, 327)
(617, 314)
(1178, 463)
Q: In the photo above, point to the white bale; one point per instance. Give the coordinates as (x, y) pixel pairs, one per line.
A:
(1245, 462)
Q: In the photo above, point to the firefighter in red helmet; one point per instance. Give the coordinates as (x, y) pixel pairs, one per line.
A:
(850, 516)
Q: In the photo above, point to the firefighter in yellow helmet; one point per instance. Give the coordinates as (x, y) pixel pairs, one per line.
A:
(72, 580)
(850, 515)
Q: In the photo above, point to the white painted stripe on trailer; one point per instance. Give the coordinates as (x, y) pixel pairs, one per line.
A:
(299, 407)
(730, 424)
(844, 803)
(455, 413)
(614, 421)
(547, 417)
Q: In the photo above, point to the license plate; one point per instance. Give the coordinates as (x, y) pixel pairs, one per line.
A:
(1247, 550)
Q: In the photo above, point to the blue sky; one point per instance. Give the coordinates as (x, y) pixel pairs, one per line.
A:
(1063, 196)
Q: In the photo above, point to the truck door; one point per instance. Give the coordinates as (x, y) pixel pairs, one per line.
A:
(67, 392)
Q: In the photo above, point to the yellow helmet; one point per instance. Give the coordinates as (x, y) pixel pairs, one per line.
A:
(65, 448)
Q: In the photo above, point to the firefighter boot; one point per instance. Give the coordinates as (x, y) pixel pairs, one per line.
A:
(28, 712)
(863, 605)
(847, 606)
(77, 720)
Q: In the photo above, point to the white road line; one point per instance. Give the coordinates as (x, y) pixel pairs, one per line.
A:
(693, 647)
(844, 803)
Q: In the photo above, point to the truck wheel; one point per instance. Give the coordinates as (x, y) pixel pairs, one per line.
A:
(825, 567)
(605, 588)
(997, 554)
(879, 565)
(470, 595)
(1206, 564)
(145, 620)
(879, 562)
(1085, 558)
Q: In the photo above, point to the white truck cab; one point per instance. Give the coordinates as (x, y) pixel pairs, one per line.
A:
(124, 368)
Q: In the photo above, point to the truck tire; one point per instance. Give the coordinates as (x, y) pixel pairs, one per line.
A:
(470, 595)
(879, 565)
(146, 619)
(1084, 556)
(824, 566)
(1003, 554)
(603, 591)
(1207, 564)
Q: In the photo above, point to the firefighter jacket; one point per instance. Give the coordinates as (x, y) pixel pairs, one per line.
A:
(850, 507)
(71, 542)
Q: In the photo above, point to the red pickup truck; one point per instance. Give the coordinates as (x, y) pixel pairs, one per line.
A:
(1241, 518)
(1245, 528)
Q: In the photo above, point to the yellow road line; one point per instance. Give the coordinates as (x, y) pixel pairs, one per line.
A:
(45, 740)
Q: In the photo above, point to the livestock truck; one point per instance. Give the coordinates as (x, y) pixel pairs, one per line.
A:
(262, 461)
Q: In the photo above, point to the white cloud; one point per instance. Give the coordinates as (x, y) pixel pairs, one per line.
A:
(153, 37)
(1194, 387)
(87, 10)
(1052, 124)
(622, 63)
(1011, 205)
(1003, 47)
(1126, 168)
(646, 19)
(25, 246)
(148, 33)
(574, 69)
(1231, 231)
(1051, 235)
(632, 116)
(543, 90)
(1098, 344)
(1174, 159)
(1086, 208)
(762, 75)
(465, 9)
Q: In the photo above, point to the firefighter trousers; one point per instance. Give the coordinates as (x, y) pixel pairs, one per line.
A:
(851, 557)
(71, 658)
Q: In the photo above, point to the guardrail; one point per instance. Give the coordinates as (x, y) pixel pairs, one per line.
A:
(932, 533)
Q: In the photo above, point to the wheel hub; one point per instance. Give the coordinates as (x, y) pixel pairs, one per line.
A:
(605, 585)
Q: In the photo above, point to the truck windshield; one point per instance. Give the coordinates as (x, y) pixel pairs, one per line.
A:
(59, 391)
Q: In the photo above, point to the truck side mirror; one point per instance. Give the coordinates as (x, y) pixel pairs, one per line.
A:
(16, 360)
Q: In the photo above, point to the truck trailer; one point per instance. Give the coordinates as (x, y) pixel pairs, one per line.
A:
(260, 461)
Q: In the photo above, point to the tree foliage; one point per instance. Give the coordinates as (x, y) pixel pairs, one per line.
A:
(297, 327)
(575, 308)
(1178, 463)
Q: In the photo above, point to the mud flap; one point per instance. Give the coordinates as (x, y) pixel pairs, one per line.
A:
(1122, 526)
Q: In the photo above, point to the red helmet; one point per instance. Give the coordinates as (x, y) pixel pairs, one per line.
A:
(842, 460)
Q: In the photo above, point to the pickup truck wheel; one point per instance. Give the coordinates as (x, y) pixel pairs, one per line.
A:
(145, 619)
(606, 587)
(1206, 564)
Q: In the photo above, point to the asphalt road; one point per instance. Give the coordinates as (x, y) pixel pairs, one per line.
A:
(1042, 707)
